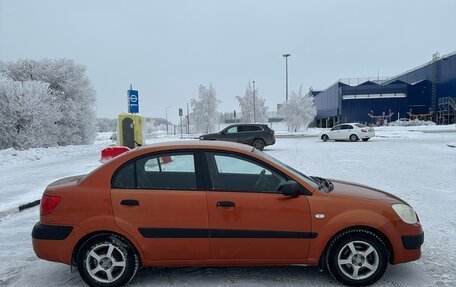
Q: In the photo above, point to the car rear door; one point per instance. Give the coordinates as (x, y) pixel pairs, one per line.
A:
(158, 200)
(248, 218)
(346, 131)
(247, 133)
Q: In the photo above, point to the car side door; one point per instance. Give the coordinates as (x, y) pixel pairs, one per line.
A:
(345, 132)
(158, 200)
(230, 134)
(248, 217)
(334, 133)
(247, 133)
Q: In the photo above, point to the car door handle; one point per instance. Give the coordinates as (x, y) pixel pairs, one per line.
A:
(130, 202)
(225, 204)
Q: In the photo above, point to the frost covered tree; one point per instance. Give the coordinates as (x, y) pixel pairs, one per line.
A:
(246, 103)
(204, 110)
(25, 120)
(70, 90)
(300, 110)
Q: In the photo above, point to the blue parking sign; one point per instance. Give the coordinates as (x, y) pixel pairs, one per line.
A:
(133, 101)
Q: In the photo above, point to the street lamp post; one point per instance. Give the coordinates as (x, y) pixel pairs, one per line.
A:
(166, 118)
(286, 75)
(254, 108)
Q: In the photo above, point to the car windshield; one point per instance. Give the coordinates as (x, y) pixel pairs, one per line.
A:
(295, 172)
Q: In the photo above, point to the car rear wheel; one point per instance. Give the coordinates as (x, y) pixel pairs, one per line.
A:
(107, 260)
(353, 138)
(365, 140)
(325, 138)
(357, 258)
(258, 144)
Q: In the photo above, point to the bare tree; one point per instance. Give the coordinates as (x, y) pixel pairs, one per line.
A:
(70, 90)
(204, 110)
(300, 110)
(250, 102)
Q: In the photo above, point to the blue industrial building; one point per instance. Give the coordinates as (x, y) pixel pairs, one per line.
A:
(426, 92)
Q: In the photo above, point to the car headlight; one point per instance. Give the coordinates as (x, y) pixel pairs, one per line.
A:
(406, 213)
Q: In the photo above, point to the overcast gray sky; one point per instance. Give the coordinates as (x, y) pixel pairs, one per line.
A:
(166, 49)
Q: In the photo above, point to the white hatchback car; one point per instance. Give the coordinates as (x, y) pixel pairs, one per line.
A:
(349, 131)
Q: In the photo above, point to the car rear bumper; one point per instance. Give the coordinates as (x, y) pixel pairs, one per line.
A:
(54, 242)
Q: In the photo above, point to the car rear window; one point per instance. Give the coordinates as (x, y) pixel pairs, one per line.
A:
(361, 126)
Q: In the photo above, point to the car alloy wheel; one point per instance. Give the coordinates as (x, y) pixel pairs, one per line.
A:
(357, 257)
(107, 260)
(358, 260)
(353, 138)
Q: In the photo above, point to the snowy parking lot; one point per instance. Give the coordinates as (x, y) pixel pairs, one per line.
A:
(418, 165)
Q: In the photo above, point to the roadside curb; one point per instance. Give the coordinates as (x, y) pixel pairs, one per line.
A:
(20, 208)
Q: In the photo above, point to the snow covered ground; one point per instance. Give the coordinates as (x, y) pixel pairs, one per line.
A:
(414, 163)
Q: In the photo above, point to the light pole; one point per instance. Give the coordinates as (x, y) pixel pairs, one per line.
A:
(286, 75)
(166, 118)
(254, 113)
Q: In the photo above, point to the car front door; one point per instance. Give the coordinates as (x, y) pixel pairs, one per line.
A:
(248, 218)
(335, 133)
(230, 134)
(157, 199)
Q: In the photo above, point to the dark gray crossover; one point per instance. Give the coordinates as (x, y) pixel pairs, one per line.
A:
(256, 135)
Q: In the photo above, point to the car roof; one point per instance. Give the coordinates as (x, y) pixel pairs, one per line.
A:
(196, 144)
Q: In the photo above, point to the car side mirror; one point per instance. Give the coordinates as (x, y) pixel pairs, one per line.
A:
(290, 188)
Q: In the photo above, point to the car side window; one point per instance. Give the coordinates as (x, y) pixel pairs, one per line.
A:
(166, 171)
(336, 128)
(125, 177)
(230, 172)
(232, 130)
(249, 128)
(347, 127)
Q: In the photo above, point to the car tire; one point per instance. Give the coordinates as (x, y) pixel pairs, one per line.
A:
(357, 257)
(365, 140)
(258, 144)
(324, 138)
(353, 138)
(107, 260)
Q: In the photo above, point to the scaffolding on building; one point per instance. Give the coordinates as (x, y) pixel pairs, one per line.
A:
(380, 120)
(447, 110)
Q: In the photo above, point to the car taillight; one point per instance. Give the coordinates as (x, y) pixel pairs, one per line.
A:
(48, 204)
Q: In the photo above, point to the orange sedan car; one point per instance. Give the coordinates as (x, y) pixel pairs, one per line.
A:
(207, 203)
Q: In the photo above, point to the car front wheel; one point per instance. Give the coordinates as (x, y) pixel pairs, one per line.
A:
(357, 258)
(107, 260)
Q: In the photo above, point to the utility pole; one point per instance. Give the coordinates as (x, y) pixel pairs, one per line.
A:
(254, 107)
(188, 120)
(166, 118)
(286, 76)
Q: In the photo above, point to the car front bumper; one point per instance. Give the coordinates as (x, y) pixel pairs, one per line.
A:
(406, 240)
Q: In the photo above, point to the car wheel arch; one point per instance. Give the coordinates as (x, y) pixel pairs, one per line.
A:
(91, 235)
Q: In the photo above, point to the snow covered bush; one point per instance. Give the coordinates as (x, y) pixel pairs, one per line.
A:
(70, 97)
(246, 103)
(204, 116)
(402, 123)
(300, 110)
(25, 120)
